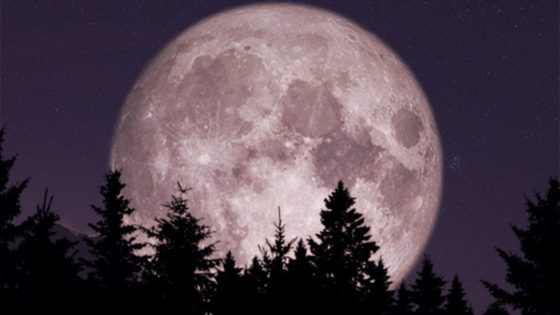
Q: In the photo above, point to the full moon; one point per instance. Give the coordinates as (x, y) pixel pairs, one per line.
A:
(269, 106)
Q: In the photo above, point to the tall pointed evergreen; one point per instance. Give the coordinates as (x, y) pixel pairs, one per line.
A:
(427, 290)
(342, 251)
(229, 297)
(49, 271)
(377, 297)
(456, 303)
(255, 280)
(256, 276)
(115, 266)
(183, 263)
(403, 302)
(279, 250)
(276, 266)
(302, 287)
(10, 208)
(300, 266)
(535, 273)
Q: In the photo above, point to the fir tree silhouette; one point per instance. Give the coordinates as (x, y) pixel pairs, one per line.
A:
(182, 264)
(427, 292)
(10, 208)
(403, 302)
(300, 266)
(229, 295)
(255, 280)
(276, 267)
(49, 270)
(377, 298)
(302, 292)
(535, 272)
(456, 303)
(342, 252)
(115, 266)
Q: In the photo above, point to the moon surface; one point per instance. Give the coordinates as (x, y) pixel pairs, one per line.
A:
(270, 105)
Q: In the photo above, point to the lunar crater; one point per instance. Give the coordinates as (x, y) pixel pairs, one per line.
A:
(339, 157)
(408, 127)
(310, 110)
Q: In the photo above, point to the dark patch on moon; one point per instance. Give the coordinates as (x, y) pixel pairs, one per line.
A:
(407, 126)
(311, 110)
(216, 87)
(312, 41)
(339, 157)
(343, 80)
(241, 177)
(239, 172)
(399, 186)
(275, 149)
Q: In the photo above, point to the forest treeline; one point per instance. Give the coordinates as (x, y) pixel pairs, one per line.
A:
(332, 272)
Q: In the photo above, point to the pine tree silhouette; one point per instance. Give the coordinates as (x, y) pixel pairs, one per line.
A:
(255, 280)
(535, 274)
(276, 267)
(279, 249)
(183, 263)
(115, 266)
(49, 270)
(495, 309)
(342, 252)
(300, 266)
(10, 208)
(427, 290)
(229, 297)
(302, 287)
(403, 301)
(456, 303)
(377, 298)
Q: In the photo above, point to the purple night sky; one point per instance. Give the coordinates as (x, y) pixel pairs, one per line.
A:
(490, 70)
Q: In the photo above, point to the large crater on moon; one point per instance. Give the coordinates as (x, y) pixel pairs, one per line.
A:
(270, 105)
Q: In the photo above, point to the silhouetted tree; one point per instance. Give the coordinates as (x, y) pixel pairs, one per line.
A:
(49, 277)
(300, 266)
(495, 309)
(183, 262)
(276, 267)
(456, 303)
(427, 290)
(535, 272)
(302, 288)
(115, 266)
(255, 280)
(342, 252)
(403, 301)
(229, 297)
(10, 208)
(377, 298)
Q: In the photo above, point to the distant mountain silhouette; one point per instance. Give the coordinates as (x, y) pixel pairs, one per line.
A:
(72, 235)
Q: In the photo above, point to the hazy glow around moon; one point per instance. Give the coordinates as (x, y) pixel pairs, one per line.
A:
(270, 105)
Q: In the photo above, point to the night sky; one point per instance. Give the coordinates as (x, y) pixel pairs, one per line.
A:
(489, 69)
